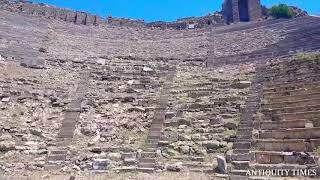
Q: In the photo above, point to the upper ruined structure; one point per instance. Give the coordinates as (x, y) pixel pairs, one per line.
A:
(241, 10)
(232, 11)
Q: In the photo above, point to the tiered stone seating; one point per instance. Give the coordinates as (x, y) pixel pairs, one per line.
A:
(295, 40)
(285, 130)
(33, 97)
(202, 114)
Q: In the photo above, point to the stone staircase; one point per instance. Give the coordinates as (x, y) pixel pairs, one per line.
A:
(240, 156)
(147, 160)
(58, 154)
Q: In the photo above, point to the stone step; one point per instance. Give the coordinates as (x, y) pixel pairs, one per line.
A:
(154, 138)
(289, 86)
(315, 95)
(291, 104)
(241, 145)
(65, 134)
(146, 170)
(287, 76)
(239, 174)
(147, 160)
(57, 152)
(300, 91)
(248, 125)
(148, 154)
(274, 125)
(275, 157)
(67, 129)
(244, 137)
(146, 165)
(241, 165)
(244, 133)
(298, 145)
(279, 166)
(241, 151)
(249, 140)
(241, 157)
(297, 133)
(247, 117)
(245, 129)
(56, 157)
(156, 128)
(67, 123)
(126, 169)
(155, 133)
(52, 167)
(301, 115)
(269, 112)
(245, 122)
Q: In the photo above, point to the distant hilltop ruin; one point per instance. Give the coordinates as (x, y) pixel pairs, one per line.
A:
(233, 11)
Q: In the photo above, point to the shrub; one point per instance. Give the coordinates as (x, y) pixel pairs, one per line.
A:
(281, 11)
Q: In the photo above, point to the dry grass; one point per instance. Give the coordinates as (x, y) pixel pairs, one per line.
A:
(308, 56)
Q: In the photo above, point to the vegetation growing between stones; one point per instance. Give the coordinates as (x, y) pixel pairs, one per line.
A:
(281, 11)
(308, 56)
(317, 150)
(230, 132)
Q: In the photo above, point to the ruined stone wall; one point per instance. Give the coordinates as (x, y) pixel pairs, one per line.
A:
(255, 10)
(83, 18)
(195, 22)
(231, 10)
(76, 17)
(227, 11)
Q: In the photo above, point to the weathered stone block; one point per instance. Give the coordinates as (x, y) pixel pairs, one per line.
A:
(100, 21)
(81, 18)
(222, 164)
(211, 144)
(101, 164)
(90, 19)
(174, 167)
(50, 12)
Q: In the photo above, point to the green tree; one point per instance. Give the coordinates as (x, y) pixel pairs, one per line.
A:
(281, 11)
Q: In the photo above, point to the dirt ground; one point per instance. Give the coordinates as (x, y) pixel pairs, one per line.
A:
(134, 176)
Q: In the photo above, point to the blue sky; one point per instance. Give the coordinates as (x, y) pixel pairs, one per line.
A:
(164, 10)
